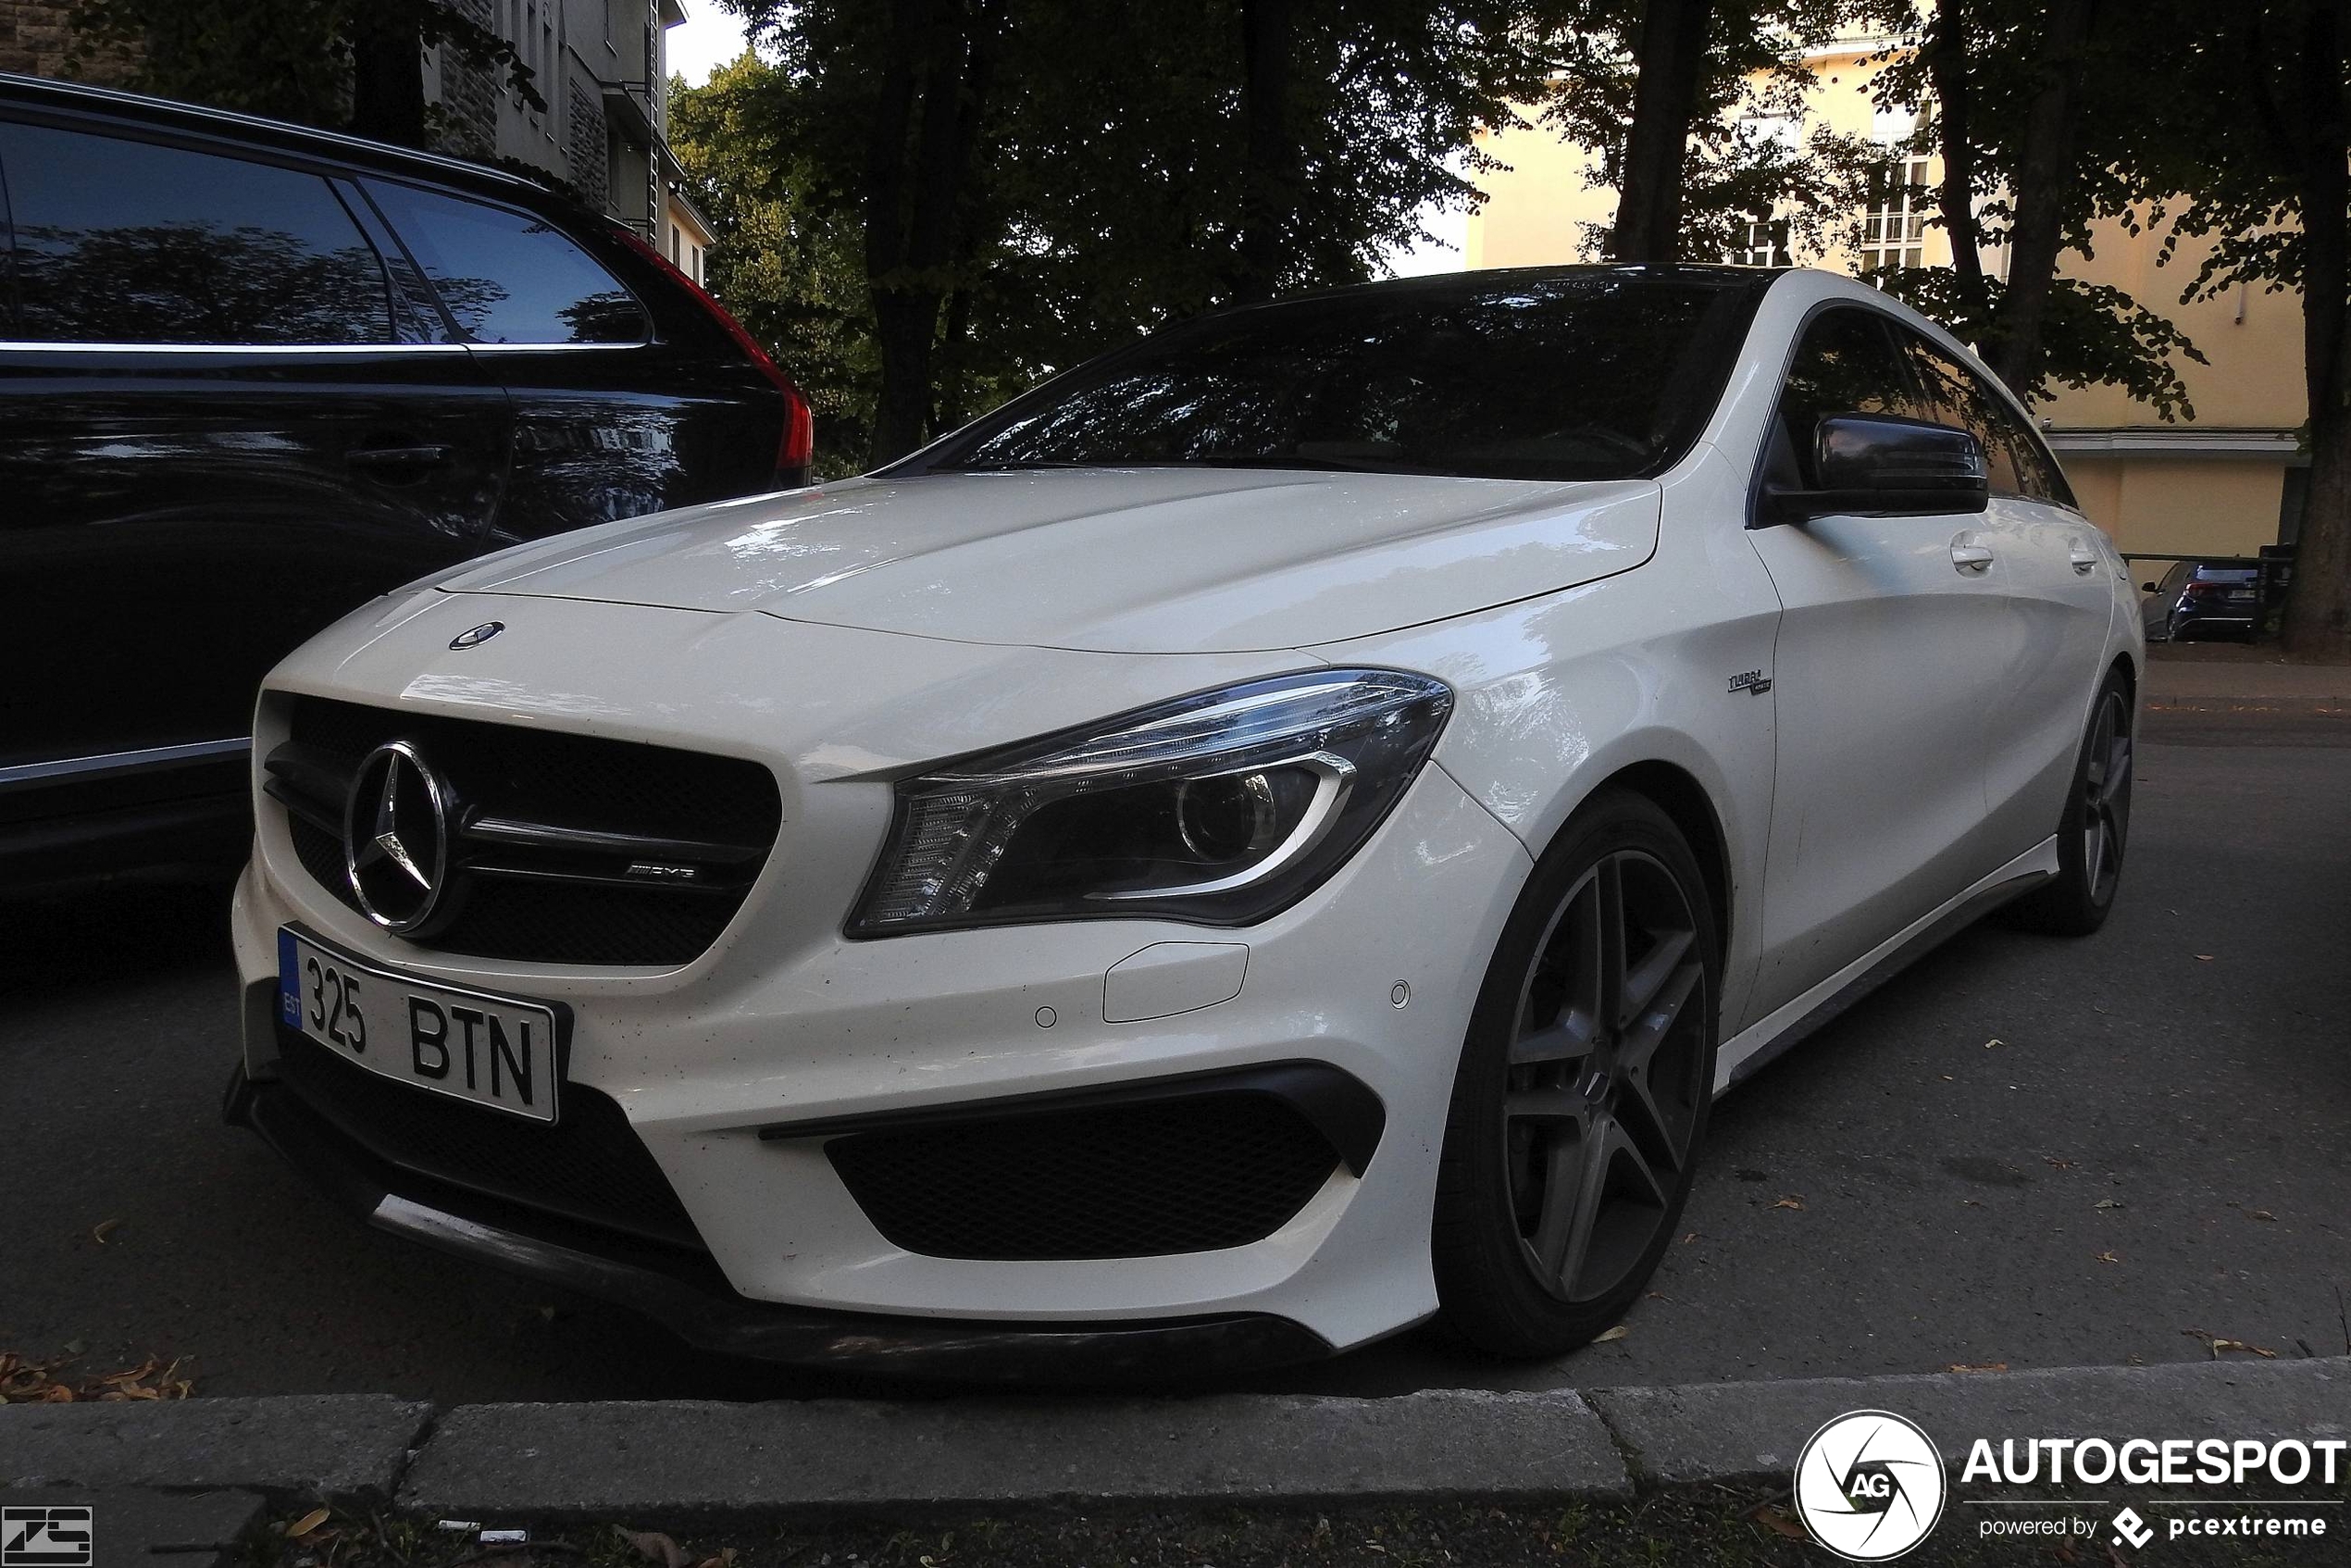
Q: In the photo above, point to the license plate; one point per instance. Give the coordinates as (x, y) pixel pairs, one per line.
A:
(493, 1050)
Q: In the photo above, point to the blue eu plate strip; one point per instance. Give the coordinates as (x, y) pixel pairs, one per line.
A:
(288, 981)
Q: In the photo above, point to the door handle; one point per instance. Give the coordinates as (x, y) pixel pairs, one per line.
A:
(2085, 559)
(1971, 555)
(398, 457)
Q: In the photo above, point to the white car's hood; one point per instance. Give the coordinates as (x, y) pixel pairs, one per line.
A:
(1139, 560)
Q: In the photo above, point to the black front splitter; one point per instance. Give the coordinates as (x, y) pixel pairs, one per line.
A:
(685, 1294)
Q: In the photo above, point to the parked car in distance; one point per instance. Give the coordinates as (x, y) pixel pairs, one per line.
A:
(1278, 834)
(2198, 598)
(252, 376)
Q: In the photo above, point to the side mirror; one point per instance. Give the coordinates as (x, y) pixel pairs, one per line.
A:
(2146, 588)
(1884, 465)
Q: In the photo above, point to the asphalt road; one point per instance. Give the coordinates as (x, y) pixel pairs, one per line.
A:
(2023, 1151)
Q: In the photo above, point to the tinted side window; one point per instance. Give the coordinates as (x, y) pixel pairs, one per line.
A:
(2019, 463)
(1846, 364)
(506, 276)
(124, 242)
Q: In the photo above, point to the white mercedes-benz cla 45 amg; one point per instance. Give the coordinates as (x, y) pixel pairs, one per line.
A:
(1277, 835)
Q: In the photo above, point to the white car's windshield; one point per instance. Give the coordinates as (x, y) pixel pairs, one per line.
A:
(1585, 374)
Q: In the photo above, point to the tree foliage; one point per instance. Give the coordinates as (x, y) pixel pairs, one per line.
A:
(1122, 166)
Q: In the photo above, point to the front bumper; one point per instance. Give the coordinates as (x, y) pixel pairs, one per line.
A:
(691, 1299)
(735, 1071)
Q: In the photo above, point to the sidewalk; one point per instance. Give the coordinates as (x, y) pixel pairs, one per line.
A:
(2234, 673)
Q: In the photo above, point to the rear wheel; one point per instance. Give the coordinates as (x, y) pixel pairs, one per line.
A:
(1583, 1090)
(2094, 830)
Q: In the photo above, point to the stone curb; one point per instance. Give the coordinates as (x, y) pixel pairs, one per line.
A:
(1734, 1433)
(296, 1446)
(600, 1461)
(682, 1460)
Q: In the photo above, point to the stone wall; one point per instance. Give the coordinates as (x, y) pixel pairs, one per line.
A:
(466, 122)
(584, 150)
(35, 39)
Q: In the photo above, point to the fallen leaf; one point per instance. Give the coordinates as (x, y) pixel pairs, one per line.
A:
(75, 1347)
(1993, 1041)
(2204, 958)
(102, 1229)
(2216, 1344)
(307, 1523)
(1779, 1520)
(2108, 1203)
(1980, 1366)
(1792, 1200)
(2263, 1214)
(2059, 1164)
(2108, 1258)
(1608, 1335)
(1690, 1238)
(30, 1382)
(654, 1547)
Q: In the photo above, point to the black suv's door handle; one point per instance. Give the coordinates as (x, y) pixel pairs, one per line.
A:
(398, 457)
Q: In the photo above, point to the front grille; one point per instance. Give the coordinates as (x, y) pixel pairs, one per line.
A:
(554, 833)
(1188, 1174)
(589, 1167)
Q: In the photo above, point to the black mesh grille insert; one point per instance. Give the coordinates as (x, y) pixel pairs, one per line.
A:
(577, 781)
(590, 1166)
(1187, 1175)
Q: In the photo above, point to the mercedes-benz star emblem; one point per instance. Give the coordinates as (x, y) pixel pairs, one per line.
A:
(475, 636)
(395, 837)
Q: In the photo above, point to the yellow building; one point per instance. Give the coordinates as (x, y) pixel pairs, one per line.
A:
(2222, 484)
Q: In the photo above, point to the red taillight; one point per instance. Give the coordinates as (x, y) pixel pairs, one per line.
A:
(798, 443)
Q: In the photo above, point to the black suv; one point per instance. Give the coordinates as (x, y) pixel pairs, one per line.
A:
(252, 376)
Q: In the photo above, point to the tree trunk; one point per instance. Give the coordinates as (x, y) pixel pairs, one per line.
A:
(1949, 67)
(2318, 620)
(1671, 57)
(915, 176)
(2045, 180)
(387, 75)
(1269, 194)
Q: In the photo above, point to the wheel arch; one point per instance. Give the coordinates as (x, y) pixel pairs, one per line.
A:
(1677, 792)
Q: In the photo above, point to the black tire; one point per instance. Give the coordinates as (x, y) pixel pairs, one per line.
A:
(1616, 1046)
(2095, 829)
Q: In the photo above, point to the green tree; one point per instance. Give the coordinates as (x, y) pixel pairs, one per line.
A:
(2023, 101)
(2253, 154)
(1687, 106)
(1032, 180)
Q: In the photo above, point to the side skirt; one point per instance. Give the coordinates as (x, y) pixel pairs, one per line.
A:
(1761, 1042)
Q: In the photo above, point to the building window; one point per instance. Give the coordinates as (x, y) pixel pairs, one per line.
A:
(1760, 241)
(1893, 224)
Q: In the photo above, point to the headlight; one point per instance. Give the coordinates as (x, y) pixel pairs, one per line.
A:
(1221, 808)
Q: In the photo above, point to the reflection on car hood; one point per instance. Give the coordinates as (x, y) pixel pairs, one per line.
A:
(1139, 560)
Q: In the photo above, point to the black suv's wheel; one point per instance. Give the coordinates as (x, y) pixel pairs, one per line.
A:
(2094, 830)
(1583, 1089)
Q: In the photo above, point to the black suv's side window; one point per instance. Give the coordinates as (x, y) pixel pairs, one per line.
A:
(1846, 364)
(2019, 465)
(129, 242)
(506, 276)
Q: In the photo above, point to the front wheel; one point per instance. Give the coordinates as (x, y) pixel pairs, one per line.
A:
(2094, 830)
(1583, 1090)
